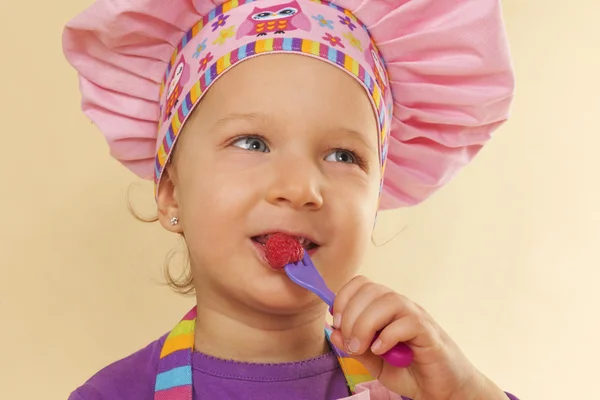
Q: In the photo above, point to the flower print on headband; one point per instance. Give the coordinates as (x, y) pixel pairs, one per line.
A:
(346, 20)
(224, 35)
(334, 40)
(323, 22)
(205, 61)
(221, 21)
(353, 40)
(200, 48)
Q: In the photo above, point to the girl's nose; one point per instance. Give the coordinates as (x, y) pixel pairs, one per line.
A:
(297, 184)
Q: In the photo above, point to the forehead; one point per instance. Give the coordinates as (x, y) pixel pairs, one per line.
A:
(294, 87)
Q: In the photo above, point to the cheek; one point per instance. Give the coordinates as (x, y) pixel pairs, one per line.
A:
(213, 201)
(352, 215)
(355, 200)
(214, 185)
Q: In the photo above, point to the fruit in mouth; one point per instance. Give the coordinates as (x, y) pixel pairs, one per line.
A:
(281, 249)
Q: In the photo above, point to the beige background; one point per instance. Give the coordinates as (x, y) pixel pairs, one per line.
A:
(505, 257)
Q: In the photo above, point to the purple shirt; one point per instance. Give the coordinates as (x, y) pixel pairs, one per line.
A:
(133, 378)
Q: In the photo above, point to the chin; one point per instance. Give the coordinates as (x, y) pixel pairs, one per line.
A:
(278, 295)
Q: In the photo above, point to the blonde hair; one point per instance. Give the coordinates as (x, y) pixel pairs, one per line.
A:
(184, 282)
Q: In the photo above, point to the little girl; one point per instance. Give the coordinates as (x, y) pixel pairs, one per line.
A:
(297, 117)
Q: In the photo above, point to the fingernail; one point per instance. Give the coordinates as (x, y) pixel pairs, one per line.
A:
(337, 320)
(352, 345)
(376, 345)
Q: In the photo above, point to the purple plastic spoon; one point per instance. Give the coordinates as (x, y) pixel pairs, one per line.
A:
(305, 274)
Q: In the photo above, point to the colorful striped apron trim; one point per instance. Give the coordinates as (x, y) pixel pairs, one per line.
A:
(174, 375)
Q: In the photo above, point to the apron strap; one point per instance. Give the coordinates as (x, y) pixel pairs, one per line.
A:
(174, 375)
(354, 371)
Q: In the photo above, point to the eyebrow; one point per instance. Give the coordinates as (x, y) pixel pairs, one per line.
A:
(357, 136)
(239, 117)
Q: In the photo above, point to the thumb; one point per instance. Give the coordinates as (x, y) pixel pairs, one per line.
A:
(372, 362)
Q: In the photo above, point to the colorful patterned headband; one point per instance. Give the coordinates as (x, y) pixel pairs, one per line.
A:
(240, 30)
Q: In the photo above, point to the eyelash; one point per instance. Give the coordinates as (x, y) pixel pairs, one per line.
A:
(358, 160)
(248, 137)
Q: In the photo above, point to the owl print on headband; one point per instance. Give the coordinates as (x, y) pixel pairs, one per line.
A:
(279, 19)
(239, 30)
(181, 76)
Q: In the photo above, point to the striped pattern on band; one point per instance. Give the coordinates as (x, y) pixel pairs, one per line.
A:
(174, 378)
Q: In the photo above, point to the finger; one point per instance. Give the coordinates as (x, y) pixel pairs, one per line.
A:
(415, 330)
(337, 339)
(362, 299)
(382, 311)
(344, 295)
(346, 292)
(373, 363)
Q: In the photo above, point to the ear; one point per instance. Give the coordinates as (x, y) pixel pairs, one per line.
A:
(167, 199)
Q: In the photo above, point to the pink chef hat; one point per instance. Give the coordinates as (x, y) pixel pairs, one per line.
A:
(438, 73)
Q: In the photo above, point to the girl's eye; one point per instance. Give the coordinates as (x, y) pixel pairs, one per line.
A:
(343, 156)
(251, 143)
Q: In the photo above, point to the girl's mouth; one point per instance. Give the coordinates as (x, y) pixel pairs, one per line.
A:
(304, 242)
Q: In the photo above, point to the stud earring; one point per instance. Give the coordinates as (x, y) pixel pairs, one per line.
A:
(174, 221)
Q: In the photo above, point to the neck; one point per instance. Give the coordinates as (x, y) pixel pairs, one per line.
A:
(235, 332)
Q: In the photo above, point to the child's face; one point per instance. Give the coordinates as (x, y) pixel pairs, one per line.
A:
(280, 143)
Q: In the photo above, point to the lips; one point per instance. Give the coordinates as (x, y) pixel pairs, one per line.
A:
(305, 242)
(309, 244)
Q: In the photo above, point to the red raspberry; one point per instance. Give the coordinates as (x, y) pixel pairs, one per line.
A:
(282, 249)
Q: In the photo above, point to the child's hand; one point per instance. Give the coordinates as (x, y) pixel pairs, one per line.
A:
(439, 372)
